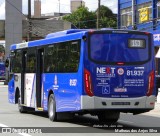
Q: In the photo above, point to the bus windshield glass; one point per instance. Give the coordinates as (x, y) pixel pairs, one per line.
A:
(119, 47)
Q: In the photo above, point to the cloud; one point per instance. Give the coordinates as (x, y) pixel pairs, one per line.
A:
(93, 5)
(51, 6)
(2, 11)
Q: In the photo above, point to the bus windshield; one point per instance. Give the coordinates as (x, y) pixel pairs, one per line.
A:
(119, 47)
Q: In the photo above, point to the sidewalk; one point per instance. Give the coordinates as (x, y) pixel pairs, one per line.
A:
(155, 112)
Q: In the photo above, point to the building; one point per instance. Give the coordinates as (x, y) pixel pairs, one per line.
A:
(76, 4)
(2, 29)
(37, 8)
(40, 28)
(141, 15)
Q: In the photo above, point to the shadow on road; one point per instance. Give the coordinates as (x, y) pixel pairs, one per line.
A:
(92, 124)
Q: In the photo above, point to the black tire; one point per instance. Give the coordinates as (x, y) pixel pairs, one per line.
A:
(52, 108)
(21, 108)
(109, 117)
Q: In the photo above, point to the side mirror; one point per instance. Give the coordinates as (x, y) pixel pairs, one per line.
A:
(7, 63)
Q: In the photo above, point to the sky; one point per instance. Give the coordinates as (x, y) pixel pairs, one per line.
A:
(51, 6)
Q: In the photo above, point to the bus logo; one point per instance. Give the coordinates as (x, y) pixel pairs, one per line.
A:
(73, 82)
(104, 70)
(120, 71)
(108, 71)
(105, 90)
(55, 80)
(55, 86)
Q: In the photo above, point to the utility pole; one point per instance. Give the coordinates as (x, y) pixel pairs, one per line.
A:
(59, 7)
(134, 27)
(29, 19)
(98, 13)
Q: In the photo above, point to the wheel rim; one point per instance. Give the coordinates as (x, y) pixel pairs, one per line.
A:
(19, 106)
(51, 112)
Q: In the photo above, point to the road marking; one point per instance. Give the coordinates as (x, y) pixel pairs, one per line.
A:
(2, 86)
(22, 134)
(2, 125)
(126, 121)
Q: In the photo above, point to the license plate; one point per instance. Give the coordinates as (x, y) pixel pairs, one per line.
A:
(120, 90)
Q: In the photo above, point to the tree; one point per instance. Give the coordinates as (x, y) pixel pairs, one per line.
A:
(82, 18)
(105, 11)
(107, 18)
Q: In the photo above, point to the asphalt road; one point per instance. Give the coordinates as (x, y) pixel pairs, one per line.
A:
(10, 117)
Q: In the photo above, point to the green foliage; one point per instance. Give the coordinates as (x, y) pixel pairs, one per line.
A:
(83, 18)
(105, 11)
(107, 18)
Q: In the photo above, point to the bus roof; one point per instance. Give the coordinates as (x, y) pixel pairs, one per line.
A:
(66, 32)
(61, 36)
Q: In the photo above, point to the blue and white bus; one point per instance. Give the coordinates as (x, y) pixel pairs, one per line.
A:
(2, 62)
(100, 72)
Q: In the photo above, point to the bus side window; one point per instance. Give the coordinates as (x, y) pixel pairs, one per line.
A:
(62, 57)
(31, 61)
(74, 56)
(16, 62)
(50, 59)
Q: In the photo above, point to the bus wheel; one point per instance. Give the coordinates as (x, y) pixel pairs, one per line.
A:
(108, 117)
(52, 108)
(20, 107)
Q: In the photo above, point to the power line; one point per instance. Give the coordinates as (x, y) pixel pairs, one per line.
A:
(72, 6)
(17, 9)
(98, 13)
(35, 29)
(29, 18)
(29, 21)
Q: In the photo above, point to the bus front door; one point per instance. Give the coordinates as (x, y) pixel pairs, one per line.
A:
(39, 71)
(24, 58)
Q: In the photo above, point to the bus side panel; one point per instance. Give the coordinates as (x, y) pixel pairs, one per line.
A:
(67, 87)
(14, 85)
(30, 87)
(2, 71)
(46, 88)
(11, 92)
(17, 82)
(66, 91)
(154, 67)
